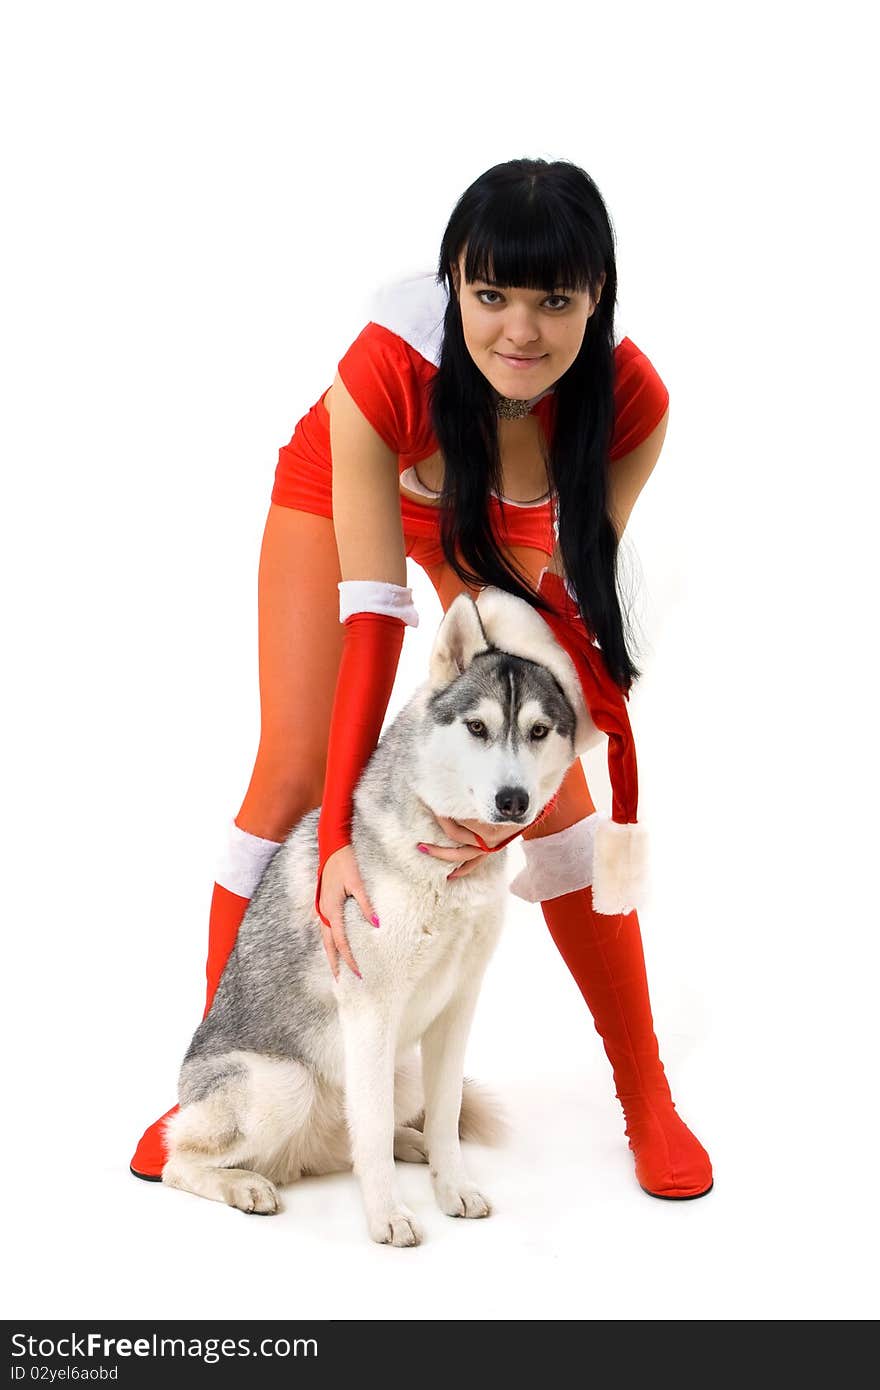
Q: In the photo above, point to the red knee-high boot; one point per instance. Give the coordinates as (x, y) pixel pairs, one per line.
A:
(591, 876)
(605, 957)
(243, 864)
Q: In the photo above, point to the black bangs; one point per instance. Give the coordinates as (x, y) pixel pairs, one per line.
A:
(527, 228)
(530, 242)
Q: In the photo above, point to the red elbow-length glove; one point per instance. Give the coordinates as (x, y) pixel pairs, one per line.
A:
(374, 615)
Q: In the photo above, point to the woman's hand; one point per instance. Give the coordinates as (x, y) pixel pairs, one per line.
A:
(341, 879)
(467, 859)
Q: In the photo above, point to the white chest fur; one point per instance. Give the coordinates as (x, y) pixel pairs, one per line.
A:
(428, 947)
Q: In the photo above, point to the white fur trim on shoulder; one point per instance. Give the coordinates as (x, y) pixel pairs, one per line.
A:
(514, 626)
(243, 861)
(376, 596)
(558, 863)
(414, 308)
(620, 868)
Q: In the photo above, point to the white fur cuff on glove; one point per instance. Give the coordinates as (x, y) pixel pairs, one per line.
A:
(376, 596)
(620, 867)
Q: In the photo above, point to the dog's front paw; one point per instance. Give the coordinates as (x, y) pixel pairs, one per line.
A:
(460, 1198)
(397, 1226)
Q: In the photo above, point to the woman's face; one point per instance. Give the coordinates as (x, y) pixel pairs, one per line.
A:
(544, 331)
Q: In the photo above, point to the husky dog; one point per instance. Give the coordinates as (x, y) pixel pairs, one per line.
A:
(293, 1072)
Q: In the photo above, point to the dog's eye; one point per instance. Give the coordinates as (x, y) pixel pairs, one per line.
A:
(539, 731)
(477, 727)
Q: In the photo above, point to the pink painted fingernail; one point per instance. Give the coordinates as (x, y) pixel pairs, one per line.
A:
(424, 849)
(375, 920)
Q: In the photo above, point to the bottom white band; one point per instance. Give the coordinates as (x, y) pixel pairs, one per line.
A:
(560, 863)
(377, 596)
(243, 861)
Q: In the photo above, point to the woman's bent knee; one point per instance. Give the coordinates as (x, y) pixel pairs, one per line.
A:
(275, 802)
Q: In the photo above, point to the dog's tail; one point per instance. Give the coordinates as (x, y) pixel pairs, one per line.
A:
(483, 1119)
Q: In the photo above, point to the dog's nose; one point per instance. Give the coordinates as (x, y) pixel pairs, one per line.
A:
(512, 803)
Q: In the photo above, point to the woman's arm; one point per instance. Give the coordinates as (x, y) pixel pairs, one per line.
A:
(366, 495)
(375, 607)
(626, 478)
(628, 475)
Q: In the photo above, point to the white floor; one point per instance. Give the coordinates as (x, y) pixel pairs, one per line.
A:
(761, 950)
(571, 1236)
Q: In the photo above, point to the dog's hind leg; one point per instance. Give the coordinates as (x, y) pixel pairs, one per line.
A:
(409, 1145)
(237, 1187)
(244, 1120)
(204, 1142)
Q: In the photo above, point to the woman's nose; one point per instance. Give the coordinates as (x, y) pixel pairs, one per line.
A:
(521, 331)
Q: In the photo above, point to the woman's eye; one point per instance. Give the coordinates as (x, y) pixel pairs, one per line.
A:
(565, 301)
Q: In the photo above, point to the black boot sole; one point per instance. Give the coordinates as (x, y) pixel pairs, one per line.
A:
(664, 1197)
(145, 1177)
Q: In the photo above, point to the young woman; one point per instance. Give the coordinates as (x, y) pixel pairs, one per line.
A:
(490, 424)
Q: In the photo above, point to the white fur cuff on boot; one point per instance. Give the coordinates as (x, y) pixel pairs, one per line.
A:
(243, 861)
(557, 864)
(594, 851)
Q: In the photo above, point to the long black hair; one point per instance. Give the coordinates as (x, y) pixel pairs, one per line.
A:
(537, 224)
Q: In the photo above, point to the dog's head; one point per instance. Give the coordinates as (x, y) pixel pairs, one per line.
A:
(504, 715)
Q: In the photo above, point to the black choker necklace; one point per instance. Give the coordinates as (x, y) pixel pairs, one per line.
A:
(510, 408)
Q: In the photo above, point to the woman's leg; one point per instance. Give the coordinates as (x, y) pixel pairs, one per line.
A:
(604, 954)
(300, 648)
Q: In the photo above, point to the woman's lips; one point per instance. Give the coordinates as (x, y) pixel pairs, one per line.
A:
(520, 363)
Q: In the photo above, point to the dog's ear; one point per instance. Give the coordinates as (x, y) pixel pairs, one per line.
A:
(460, 637)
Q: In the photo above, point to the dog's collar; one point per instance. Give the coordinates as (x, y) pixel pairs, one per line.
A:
(492, 849)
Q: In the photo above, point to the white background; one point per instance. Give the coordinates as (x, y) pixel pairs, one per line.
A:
(200, 200)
